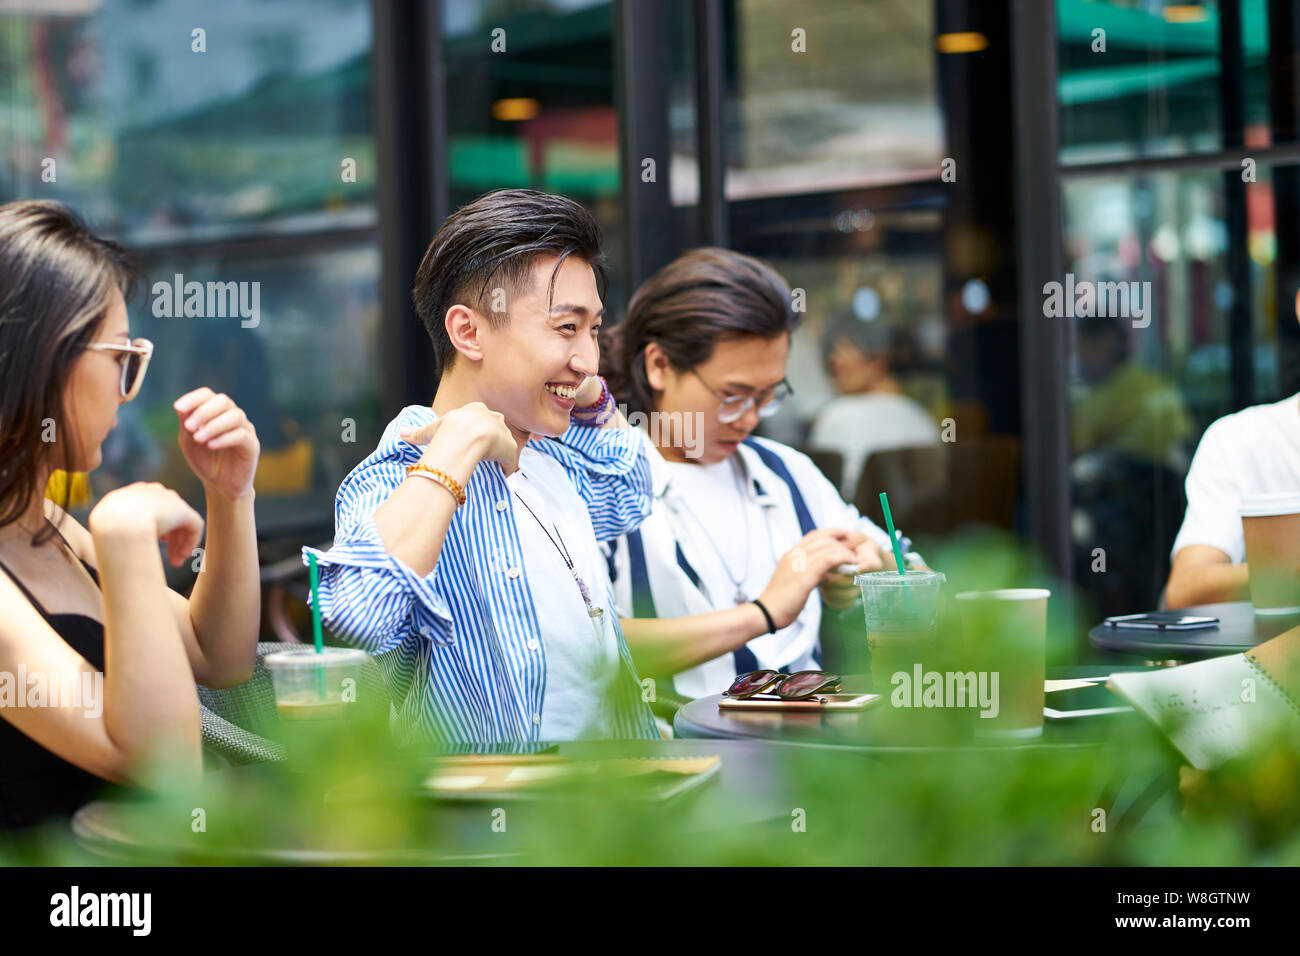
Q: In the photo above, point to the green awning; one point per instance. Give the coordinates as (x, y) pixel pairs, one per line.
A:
(1131, 28)
(1108, 83)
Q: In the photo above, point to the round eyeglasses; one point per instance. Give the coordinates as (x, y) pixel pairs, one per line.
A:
(134, 365)
(734, 407)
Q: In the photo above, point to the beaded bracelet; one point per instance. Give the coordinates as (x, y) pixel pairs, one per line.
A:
(441, 477)
(598, 413)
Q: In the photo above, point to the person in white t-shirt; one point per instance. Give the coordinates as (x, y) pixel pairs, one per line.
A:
(729, 571)
(1251, 452)
(871, 413)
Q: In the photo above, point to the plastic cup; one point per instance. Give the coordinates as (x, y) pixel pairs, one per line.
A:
(900, 615)
(1271, 526)
(1005, 647)
(314, 693)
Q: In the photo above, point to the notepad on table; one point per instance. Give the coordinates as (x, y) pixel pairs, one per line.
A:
(1221, 708)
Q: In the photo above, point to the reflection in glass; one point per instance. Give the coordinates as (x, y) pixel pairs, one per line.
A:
(1142, 78)
(307, 374)
(542, 117)
(1150, 356)
(847, 102)
(156, 132)
(860, 298)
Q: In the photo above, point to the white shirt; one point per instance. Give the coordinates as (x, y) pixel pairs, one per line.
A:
(696, 510)
(1250, 452)
(460, 648)
(714, 512)
(858, 425)
(581, 668)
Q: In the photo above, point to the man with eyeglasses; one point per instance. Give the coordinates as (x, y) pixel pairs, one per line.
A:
(723, 576)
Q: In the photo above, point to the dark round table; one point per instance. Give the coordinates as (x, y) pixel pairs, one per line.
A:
(748, 789)
(867, 731)
(1240, 629)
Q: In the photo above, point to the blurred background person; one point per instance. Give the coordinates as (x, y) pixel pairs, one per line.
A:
(1125, 407)
(870, 413)
(1130, 427)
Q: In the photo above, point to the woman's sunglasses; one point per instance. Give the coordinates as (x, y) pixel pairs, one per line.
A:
(797, 686)
(138, 354)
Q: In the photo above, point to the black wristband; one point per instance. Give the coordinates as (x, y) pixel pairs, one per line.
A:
(771, 624)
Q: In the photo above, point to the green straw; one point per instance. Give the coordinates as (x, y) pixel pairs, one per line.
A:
(315, 620)
(893, 535)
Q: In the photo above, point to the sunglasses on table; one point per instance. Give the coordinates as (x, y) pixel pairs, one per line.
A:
(797, 686)
(134, 365)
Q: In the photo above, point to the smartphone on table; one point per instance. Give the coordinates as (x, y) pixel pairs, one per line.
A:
(1162, 621)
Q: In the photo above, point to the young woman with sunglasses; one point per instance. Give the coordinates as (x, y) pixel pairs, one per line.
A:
(98, 657)
(723, 577)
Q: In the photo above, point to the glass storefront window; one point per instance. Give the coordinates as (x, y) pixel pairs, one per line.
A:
(1257, 95)
(240, 158)
(158, 132)
(1262, 247)
(832, 146)
(833, 95)
(540, 117)
(303, 365)
(1140, 77)
(869, 268)
(1148, 296)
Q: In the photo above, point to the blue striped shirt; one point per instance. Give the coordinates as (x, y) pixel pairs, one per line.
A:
(453, 646)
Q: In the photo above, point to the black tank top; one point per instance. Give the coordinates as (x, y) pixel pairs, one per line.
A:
(35, 784)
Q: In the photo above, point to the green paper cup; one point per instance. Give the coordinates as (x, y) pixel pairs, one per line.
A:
(1270, 525)
(1005, 636)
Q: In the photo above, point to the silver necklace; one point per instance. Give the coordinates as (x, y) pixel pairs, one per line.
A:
(594, 613)
(738, 583)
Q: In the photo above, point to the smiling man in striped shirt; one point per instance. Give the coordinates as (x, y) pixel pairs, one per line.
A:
(465, 556)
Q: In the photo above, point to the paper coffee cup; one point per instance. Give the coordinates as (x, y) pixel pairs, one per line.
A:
(1270, 525)
(1005, 634)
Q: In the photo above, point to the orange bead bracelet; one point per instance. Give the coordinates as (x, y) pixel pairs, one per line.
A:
(441, 477)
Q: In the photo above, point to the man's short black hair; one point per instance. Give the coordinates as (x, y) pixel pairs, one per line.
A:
(492, 243)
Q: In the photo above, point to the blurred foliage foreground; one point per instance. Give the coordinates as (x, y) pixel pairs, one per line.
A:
(1110, 796)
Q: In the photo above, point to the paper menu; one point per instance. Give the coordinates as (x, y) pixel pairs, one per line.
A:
(1217, 709)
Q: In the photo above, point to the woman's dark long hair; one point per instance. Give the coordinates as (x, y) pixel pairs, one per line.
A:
(56, 284)
(706, 296)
